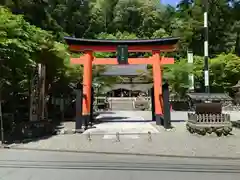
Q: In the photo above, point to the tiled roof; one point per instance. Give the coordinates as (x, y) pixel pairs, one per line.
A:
(133, 87)
(126, 70)
(105, 42)
(209, 96)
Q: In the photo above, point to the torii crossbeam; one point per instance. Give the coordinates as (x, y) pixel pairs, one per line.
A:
(89, 46)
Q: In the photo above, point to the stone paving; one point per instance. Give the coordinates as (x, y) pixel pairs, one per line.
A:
(134, 139)
(126, 129)
(128, 116)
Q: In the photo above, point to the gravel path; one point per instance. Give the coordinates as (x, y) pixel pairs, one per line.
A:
(174, 142)
(134, 138)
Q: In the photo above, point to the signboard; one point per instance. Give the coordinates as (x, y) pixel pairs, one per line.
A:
(191, 77)
(122, 54)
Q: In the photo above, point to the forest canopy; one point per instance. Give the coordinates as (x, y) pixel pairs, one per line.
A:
(32, 31)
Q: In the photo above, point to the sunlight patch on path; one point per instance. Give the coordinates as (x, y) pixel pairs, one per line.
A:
(125, 129)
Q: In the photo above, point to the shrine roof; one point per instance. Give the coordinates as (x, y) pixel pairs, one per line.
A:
(123, 70)
(133, 42)
(130, 87)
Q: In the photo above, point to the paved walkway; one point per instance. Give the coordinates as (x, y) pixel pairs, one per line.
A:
(175, 142)
(128, 123)
(176, 116)
(135, 139)
(123, 116)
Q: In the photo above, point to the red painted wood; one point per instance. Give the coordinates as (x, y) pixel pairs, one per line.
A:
(157, 83)
(113, 61)
(87, 83)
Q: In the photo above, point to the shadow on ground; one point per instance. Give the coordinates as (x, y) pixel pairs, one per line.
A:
(236, 124)
(32, 131)
(118, 119)
(105, 112)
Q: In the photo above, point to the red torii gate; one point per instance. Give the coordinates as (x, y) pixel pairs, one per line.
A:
(89, 46)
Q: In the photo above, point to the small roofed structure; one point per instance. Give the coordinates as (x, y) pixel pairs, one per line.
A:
(196, 98)
(209, 97)
(128, 87)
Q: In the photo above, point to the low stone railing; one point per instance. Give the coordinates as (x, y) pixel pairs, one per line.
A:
(209, 118)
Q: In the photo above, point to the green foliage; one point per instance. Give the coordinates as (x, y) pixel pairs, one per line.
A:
(177, 76)
(36, 35)
(22, 46)
(144, 19)
(225, 72)
(160, 33)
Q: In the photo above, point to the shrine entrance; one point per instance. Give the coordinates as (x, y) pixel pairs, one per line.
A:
(122, 47)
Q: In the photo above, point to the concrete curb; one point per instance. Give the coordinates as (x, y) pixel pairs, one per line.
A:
(127, 153)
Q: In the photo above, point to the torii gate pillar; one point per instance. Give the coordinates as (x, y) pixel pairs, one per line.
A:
(157, 84)
(87, 86)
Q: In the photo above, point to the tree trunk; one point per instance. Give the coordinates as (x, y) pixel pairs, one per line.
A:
(237, 45)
